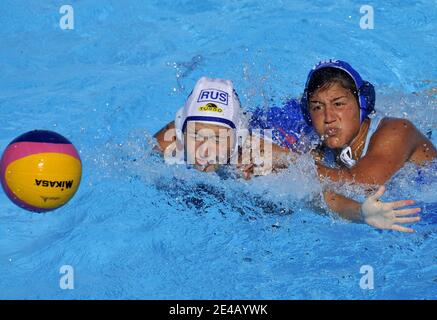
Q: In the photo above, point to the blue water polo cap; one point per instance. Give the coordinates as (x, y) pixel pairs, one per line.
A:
(365, 90)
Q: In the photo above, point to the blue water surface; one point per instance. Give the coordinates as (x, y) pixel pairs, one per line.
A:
(139, 229)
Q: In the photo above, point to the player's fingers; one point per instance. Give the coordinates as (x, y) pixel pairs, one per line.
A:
(407, 220)
(401, 203)
(247, 175)
(401, 229)
(379, 193)
(244, 166)
(406, 212)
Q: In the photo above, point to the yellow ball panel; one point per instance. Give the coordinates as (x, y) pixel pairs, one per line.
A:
(44, 180)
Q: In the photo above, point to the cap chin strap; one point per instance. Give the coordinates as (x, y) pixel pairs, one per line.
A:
(346, 157)
(178, 126)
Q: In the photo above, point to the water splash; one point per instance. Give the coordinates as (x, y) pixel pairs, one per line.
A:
(278, 193)
(184, 69)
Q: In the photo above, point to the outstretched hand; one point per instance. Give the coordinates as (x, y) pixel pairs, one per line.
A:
(384, 215)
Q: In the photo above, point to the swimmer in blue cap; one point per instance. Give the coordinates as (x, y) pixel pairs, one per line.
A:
(356, 147)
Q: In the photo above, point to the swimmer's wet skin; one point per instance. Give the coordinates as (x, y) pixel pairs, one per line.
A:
(337, 103)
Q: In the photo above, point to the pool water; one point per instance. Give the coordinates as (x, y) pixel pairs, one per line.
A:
(139, 229)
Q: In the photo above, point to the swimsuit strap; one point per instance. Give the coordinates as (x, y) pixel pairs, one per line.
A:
(374, 123)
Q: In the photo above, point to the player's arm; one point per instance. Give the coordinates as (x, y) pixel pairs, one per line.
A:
(165, 136)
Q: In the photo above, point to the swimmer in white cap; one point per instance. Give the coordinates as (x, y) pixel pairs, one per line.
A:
(210, 130)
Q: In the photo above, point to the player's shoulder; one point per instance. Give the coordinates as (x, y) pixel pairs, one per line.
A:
(396, 126)
(395, 134)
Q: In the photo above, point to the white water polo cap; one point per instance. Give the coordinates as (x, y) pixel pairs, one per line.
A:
(212, 101)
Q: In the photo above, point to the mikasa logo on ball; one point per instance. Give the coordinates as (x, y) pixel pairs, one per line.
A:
(54, 184)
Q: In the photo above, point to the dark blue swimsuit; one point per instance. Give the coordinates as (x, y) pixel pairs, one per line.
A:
(289, 127)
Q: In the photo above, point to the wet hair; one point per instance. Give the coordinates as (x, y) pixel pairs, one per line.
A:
(325, 77)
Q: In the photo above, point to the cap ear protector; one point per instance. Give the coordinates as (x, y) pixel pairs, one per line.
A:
(365, 90)
(366, 94)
